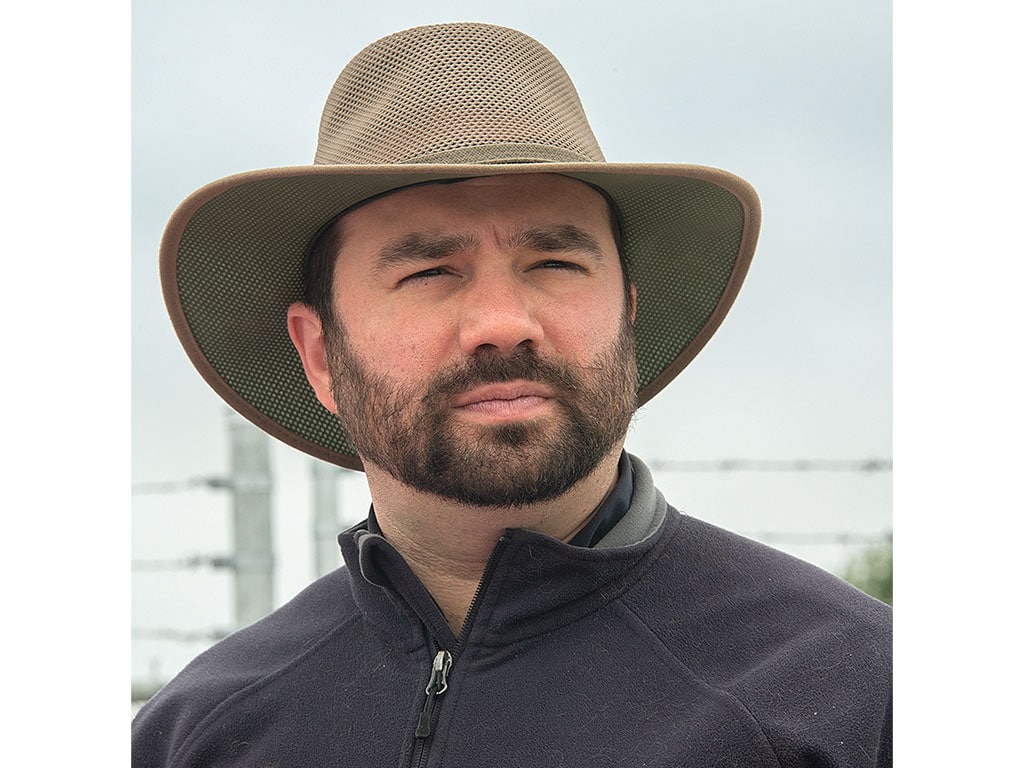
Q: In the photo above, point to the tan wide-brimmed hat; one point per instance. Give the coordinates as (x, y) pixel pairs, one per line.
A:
(437, 102)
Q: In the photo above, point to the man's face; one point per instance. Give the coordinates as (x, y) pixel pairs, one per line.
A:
(484, 348)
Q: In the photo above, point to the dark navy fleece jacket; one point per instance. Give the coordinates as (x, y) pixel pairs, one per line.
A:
(672, 643)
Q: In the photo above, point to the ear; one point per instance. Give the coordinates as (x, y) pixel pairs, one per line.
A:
(632, 303)
(307, 335)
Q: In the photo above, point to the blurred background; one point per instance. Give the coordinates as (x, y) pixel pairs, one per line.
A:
(781, 429)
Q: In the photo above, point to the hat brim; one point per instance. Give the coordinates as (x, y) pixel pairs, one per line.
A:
(231, 263)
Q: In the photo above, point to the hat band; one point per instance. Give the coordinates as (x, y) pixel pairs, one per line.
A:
(492, 154)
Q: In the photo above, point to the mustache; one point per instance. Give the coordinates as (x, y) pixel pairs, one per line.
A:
(493, 367)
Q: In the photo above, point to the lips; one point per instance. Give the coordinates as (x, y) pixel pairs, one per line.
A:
(508, 392)
(505, 398)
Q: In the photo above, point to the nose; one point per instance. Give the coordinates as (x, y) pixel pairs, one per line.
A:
(497, 314)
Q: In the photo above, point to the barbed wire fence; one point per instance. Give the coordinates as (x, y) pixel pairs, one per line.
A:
(251, 562)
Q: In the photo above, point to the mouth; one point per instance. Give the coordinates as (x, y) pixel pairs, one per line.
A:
(505, 401)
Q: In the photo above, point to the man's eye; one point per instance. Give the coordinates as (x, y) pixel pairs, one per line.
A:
(557, 264)
(423, 274)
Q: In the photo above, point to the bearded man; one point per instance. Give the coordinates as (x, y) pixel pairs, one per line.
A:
(463, 299)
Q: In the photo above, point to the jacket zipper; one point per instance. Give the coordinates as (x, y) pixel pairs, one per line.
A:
(437, 685)
(441, 664)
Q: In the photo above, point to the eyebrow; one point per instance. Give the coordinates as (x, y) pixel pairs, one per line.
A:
(558, 238)
(418, 247)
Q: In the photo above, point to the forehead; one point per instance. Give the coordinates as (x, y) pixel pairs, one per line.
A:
(488, 200)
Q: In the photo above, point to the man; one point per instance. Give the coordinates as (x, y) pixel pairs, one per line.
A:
(462, 298)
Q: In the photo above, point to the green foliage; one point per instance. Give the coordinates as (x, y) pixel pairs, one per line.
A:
(871, 571)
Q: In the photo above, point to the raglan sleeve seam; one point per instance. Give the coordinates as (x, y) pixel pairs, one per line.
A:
(228, 701)
(652, 636)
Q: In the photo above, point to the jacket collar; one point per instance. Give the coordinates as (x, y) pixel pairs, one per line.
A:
(533, 583)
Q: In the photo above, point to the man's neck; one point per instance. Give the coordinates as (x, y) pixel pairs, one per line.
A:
(447, 544)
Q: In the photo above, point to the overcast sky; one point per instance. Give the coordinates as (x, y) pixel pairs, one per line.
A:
(795, 97)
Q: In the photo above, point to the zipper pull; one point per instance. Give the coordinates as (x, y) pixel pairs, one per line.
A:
(438, 684)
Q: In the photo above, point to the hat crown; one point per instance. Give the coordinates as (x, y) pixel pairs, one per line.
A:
(455, 93)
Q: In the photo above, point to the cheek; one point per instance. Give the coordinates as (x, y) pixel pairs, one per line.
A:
(586, 325)
(406, 350)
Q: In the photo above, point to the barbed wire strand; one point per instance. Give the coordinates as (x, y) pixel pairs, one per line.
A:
(868, 466)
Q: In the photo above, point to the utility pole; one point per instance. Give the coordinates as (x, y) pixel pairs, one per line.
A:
(325, 517)
(251, 520)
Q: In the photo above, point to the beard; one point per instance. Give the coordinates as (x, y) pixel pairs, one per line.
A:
(417, 439)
